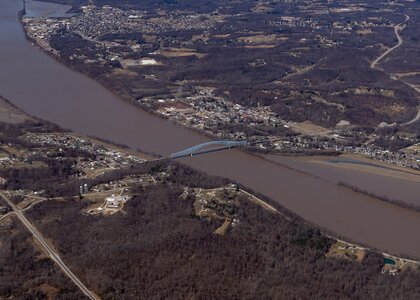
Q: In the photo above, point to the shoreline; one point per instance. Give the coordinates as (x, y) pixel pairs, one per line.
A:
(276, 207)
(208, 135)
(349, 187)
(292, 217)
(122, 98)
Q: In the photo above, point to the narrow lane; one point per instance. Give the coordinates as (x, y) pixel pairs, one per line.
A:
(397, 30)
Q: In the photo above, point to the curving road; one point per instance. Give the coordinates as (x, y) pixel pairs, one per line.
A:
(51, 253)
(417, 117)
(397, 30)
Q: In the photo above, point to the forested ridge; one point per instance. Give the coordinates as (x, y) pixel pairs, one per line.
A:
(25, 273)
(158, 249)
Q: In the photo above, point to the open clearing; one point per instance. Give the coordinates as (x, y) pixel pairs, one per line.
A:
(10, 114)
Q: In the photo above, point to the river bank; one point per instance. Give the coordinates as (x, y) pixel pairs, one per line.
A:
(48, 90)
(260, 199)
(190, 109)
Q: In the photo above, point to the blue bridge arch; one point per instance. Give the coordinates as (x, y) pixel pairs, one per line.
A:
(204, 148)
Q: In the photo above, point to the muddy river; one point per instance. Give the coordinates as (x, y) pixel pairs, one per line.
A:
(44, 88)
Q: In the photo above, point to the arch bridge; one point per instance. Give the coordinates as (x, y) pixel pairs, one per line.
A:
(207, 148)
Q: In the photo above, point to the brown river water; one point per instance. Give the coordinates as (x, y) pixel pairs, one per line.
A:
(44, 88)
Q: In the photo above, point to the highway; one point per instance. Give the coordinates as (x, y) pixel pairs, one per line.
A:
(51, 253)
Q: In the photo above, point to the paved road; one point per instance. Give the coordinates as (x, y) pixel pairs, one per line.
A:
(6, 215)
(417, 117)
(397, 29)
(52, 254)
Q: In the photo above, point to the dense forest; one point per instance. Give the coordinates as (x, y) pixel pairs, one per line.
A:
(159, 249)
(25, 273)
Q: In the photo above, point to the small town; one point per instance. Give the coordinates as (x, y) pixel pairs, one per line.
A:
(206, 112)
(214, 114)
(223, 149)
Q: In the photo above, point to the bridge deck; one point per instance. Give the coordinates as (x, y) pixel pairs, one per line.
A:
(198, 149)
